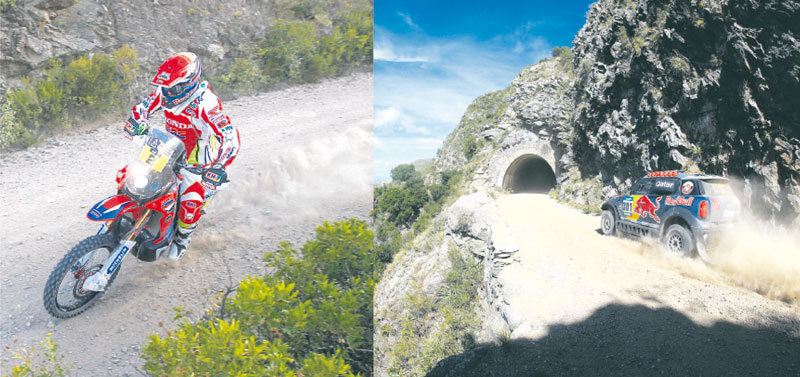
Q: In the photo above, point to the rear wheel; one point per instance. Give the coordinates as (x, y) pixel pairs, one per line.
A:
(64, 296)
(679, 241)
(608, 223)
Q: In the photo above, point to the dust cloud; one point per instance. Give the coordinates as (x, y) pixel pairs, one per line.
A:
(761, 257)
(294, 184)
(753, 254)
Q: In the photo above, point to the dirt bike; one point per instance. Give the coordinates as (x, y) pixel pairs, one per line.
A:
(141, 219)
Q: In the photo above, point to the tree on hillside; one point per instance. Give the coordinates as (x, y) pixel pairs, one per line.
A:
(404, 172)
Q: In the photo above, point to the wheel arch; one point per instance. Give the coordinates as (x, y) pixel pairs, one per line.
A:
(672, 220)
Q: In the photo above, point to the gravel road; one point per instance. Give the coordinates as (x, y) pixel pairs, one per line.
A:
(306, 157)
(584, 304)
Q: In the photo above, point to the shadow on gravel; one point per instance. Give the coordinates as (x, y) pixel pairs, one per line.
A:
(619, 340)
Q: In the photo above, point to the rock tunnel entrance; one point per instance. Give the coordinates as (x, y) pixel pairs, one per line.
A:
(529, 173)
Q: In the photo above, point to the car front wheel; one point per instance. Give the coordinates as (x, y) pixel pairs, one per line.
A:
(608, 224)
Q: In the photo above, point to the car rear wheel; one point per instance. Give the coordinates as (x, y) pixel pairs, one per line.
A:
(608, 224)
(679, 241)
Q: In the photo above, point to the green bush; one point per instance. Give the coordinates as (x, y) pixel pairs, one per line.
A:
(11, 130)
(402, 203)
(84, 88)
(311, 317)
(470, 146)
(51, 367)
(289, 52)
(403, 172)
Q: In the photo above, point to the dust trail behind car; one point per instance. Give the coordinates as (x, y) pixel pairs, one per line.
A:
(752, 254)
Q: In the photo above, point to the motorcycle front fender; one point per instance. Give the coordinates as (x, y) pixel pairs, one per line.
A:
(111, 208)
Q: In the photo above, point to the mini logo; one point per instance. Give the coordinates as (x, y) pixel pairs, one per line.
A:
(687, 187)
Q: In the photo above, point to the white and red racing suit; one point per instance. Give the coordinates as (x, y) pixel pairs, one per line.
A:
(210, 140)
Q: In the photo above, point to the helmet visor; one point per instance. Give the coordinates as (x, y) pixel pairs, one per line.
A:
(178, 93)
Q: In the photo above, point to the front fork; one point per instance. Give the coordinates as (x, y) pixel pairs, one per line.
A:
(98, 281)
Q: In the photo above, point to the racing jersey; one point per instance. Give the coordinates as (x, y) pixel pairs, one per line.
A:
(207, 133)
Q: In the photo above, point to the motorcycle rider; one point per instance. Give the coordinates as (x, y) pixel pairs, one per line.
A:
(194, 115)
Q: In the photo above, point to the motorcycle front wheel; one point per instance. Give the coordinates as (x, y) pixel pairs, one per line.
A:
(64, 296)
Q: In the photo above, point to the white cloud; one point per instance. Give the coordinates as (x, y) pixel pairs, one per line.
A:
(397, 120)
(407, 19)
(385, 50)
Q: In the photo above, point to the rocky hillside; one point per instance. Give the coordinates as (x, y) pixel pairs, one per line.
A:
(706, 84)
(33, 32)
(648, 85)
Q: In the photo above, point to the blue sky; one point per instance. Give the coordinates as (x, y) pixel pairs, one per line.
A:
(432, 58)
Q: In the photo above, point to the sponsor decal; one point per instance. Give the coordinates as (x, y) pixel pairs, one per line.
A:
(644, 208)
(670, 173)
(687, 187)
(626, 206)
(153, 143)
(679, 201)
(176, 124)
(190, 204)
(130, 128)
(715, 204)
(117, 260)
(193, 105)
(226, 128)
(164, 76)
(212, 177)
(665, 184)
(167, 205)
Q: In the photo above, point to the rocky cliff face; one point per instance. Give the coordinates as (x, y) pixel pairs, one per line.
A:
(710, 85)
(33, 32)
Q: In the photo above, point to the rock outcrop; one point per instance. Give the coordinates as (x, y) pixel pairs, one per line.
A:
(33, 32)
(710, 85)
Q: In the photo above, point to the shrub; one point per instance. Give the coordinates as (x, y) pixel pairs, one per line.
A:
(403, 172)
(11, 131)
(51, 367)
(244, 77)
(86, 87)
(287, 53)
(311, 317)
(563, 50)
(434, 328)
(470, 146)
(402, 203)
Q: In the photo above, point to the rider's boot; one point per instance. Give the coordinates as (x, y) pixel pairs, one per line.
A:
(181, 241)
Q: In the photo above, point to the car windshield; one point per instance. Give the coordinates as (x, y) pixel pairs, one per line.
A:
(717, 187)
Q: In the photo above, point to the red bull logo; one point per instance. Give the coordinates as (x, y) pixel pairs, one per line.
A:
(644, 207)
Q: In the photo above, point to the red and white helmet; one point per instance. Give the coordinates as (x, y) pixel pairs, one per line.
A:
(179, 77)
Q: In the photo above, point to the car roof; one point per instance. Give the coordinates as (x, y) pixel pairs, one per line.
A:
(682, 174)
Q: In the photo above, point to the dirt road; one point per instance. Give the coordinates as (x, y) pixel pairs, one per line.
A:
(306, 157)
(586, 304)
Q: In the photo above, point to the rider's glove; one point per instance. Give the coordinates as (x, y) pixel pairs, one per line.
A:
(215, 175)
(134, 128)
